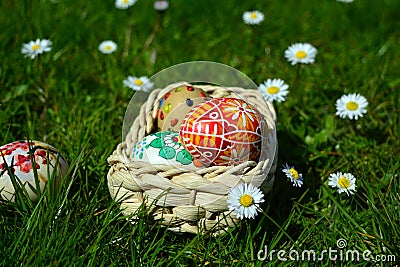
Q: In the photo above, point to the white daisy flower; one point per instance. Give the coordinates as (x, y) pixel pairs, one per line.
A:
(34, 48)
(107, 47)
(244, 199)
(161, 5)
(352, 106)
(301, 53)
(138, 83)
(345, 1)
(124, 4)
(253, 17)
(291, 173)
(274, 89)
(344, 182)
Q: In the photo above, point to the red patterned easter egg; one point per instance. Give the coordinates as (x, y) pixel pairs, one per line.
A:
(30, 166)
(222, 131)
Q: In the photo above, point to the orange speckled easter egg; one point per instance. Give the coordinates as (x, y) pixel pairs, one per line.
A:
(175, 104)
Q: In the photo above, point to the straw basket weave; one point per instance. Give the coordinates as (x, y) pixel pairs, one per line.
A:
(187, 200)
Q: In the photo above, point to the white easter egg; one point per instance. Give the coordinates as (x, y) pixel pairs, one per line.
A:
(19, 159)
(163, 148)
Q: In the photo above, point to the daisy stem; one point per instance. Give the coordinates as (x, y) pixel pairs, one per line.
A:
(35, 71)
(296, 78)
(109, 72)
(252, 47)
(298, 93)
(250, 42)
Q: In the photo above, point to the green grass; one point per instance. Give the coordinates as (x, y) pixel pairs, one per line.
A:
(73, 98)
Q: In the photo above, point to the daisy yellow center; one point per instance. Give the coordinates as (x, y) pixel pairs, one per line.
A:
(273, 90)
(253, 15)
(125, 1)
(294, 173)
(351, 105)
(35, 47)
(343, 182)
(138, 82)
(301, 54)
(246, 200)
(107, 47)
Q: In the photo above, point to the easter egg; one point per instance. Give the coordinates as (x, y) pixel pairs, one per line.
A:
(176, 104)
(163, 148)
(222, 131)
(20, 159)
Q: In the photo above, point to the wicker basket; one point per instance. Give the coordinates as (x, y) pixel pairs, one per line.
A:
(184, 200)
